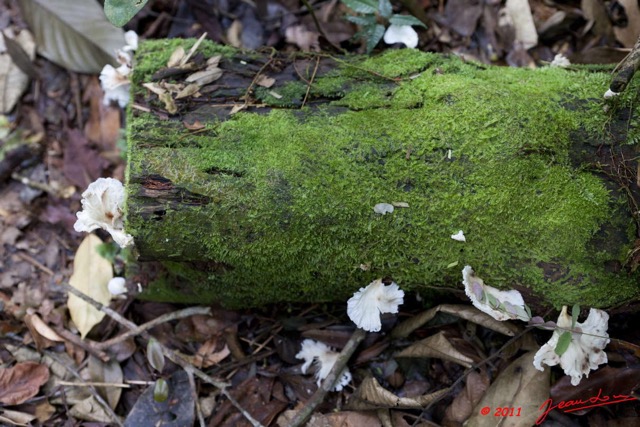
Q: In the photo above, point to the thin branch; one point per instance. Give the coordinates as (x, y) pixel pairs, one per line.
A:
(78, 342)
(300, 418)
(172, 355)
(180, 314)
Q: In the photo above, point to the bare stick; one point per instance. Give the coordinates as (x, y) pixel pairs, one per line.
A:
(172, 355)
(77, 341)
(180, 314)
(327, 385)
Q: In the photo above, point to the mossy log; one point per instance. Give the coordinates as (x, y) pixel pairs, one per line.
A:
(251, 194)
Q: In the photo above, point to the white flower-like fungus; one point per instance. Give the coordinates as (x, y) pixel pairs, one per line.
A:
(459, 236)
(383, 208)
(585, 351)
(117, 286)
(324, 358)
(501, 305)
(366, 305)
(610, 94)
(102, 208)
(401, 34)
(115, 81)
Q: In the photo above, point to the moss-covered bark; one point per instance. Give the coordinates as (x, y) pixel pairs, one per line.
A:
(275, 203)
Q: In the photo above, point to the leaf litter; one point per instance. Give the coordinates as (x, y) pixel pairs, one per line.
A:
(250, 348)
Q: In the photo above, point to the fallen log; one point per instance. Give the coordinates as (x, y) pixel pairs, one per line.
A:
(266, 185)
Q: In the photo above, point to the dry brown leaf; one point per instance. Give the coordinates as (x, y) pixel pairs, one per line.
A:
(207, 356)
(371, 395)
(21, 382)
(299, 35)
(196, 125)
(345, 419)
(462, 406)
(103, 126)
(44, 411)
(169, 104)
(43, 336)
(16, 418)
(466, 312)
(91, 275)
(234, 34)
(437, 346)
(629, 35)
(205, 77)
(155, 88)
(109, 372)
(90, 410)
(265, 81)
(520, 385)
(188, 90)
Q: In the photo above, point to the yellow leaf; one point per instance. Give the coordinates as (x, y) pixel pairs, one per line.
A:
(91, 275)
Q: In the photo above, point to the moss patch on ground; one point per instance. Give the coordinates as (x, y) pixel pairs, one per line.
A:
(290, 192)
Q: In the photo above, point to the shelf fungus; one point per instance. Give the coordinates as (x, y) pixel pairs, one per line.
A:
(585, 351)
(365, 306)
(324, 357)
(102, 205)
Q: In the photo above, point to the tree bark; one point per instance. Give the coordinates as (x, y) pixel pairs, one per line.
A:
(254, 193)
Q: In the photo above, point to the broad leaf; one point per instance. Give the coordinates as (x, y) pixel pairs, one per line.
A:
(154, 355)
(161, 390)
(13, 80)
(575, 312)
(365, 21)
(73, 34)
(385, 8)
(91, 275)
(406, 20)
(21, 382)
(119, 12)
(109, 372)
(373, 36)
(362, 6)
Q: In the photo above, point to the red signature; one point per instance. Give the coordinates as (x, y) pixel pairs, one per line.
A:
(579, 404)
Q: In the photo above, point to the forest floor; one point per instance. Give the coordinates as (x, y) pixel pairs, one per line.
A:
(240, 367)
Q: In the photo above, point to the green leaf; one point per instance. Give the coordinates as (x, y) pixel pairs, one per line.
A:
(575, 312)
(154, 355)
(362, 6)
(385, 8)
(372, 36)
(161, 391)
(119, 12)
(364, 21)
(563, 343)
(108, 251)
(73, 34)
(409, 20)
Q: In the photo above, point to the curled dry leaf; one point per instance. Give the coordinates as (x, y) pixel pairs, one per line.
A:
(176, 57)
(462, 406)
(437, 346)
(462, 311)
(13, 81)
(21, 382)
(371, 395)
(265, 81)
(205, 77)
(520, 385)
(109, 372)
(42, 334)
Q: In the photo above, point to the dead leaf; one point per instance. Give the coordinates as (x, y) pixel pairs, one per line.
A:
(520, 13)
(176, 57)
(520, 385)
(196, 125)
(82, 163)
(103, 125)
(16, 418)
(462, 406)
(371, 395)
(466, 312)
(265, 81)
(43, 336)
(21, 382)
(437, 346)
(629, 35)
(299, 35)
(463, 15)
(189, 90)
(90, 410)
(205, 77)
(110, 372)
(207, 355)
(44, 411)
(234, 34)
(91, 274)
(169, 104)
(14, 81)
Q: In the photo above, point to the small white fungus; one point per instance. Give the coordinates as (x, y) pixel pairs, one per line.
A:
(560, 61)
(366, 305)
(117, 286)
(585, 352)
(324, 358)
(459, 236)
(102, 205)
(501, 305)
(610, 94)
(404, 34)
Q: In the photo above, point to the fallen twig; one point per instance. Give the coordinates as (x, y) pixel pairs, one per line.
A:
(180, 314)
(172, 355)
(327, 385)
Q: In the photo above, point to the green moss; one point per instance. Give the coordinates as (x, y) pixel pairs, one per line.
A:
(485, 150)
